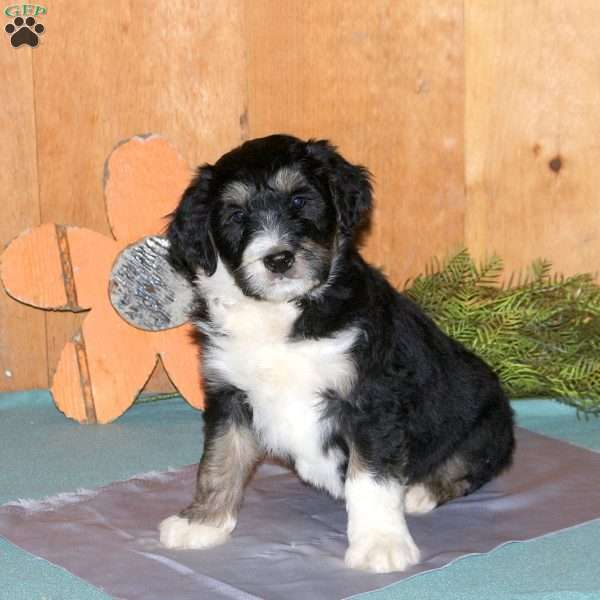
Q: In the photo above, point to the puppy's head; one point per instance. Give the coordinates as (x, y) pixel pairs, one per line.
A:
(275, 211)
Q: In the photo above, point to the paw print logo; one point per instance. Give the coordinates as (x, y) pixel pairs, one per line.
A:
(24, 32)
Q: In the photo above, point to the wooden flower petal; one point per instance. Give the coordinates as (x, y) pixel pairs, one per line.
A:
(70, 388)
(144, 180)
(91, 256)
(36, 269)
(182, 363)
(59, 267)
(101, 372)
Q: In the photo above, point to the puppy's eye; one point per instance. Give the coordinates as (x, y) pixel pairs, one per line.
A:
(236, 216)
(298, 201)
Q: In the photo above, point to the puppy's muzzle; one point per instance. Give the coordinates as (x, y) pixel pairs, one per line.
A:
(279, 262)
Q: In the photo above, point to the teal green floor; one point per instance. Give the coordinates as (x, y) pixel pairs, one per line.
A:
(43, 453)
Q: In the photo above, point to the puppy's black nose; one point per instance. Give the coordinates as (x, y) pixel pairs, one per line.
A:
(279, 262)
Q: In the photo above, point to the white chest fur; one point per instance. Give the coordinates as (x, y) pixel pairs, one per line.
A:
(283, 378)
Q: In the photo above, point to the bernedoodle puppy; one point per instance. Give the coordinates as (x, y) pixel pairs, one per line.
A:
(310, 355)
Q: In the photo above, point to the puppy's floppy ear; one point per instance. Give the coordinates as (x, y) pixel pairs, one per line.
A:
(350, 185)
(191, 242)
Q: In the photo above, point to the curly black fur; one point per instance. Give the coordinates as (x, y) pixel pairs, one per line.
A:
(422, 408)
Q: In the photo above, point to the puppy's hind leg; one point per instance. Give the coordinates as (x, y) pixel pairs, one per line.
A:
(229, 458)
(419, 499)
(448, 481)
(481, 456)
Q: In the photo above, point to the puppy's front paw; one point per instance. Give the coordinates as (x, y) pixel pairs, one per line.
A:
(382, 553)
(179, 532)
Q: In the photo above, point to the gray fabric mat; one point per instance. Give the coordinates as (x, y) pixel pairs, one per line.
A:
(290, 539)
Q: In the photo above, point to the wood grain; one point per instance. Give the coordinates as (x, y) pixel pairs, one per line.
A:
(384, 81)
(22, 329)
(434, 97)
(126, 68)
(532, 131)
(32, 270)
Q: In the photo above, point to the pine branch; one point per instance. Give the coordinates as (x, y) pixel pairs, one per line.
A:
(540, 331)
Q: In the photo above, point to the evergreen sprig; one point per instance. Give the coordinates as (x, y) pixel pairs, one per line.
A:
(539, 331)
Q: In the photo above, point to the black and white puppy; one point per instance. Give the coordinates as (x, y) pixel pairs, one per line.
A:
(310, 355)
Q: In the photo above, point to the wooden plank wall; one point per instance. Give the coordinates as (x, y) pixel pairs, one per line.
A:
(384, 80)
(460, 108)
(23, 356)
(532, 131)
